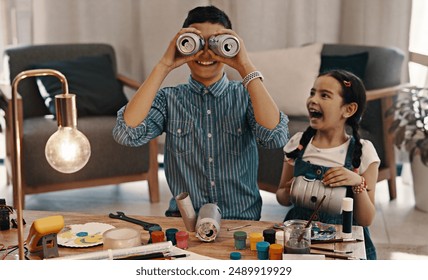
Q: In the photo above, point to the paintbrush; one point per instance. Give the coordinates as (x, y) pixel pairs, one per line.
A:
(336, 240)
(336, 256)
(154, 256)
(330, 250)
(311, 218)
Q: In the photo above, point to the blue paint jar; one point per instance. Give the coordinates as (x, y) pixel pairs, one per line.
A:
(240, 240)
(170, 235)
(263, 250)
(235, 256)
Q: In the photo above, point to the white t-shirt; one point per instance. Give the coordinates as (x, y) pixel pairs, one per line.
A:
(335, 156)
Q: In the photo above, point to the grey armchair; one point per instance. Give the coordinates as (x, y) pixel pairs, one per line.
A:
(110, 163)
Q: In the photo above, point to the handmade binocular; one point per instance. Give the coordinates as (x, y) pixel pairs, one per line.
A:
(225, 45)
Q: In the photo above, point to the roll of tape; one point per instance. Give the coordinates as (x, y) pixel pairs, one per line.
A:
(118, 238)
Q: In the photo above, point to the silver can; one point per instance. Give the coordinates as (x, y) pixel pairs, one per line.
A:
(208, 222)
(189, 43)
(225, 45)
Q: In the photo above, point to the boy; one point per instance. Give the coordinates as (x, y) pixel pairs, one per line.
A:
(211, 124)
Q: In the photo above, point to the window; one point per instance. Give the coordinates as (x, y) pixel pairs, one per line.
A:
(418, 45)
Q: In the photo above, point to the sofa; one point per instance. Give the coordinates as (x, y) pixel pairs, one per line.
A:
(380, 68)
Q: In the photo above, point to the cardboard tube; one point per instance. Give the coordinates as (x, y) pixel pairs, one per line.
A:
(187, 211)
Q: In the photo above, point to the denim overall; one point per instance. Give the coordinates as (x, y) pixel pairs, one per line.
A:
(312, 171)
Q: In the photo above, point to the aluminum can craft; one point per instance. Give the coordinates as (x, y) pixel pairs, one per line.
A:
(225, 45)
(189, 43)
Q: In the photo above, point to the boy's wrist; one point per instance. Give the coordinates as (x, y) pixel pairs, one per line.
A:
(162, 68)
(247, 69)
(251, 76)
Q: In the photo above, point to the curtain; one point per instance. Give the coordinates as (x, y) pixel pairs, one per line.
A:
(140, 30)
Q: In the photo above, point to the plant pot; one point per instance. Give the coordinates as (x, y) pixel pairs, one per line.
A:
(420, 186)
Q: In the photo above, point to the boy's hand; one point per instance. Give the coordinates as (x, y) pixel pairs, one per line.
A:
(241, 62)
(172, 58)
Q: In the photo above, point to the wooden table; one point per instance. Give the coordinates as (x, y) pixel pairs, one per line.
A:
(219, 249)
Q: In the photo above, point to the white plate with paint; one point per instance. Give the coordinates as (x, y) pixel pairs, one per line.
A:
(83, 235)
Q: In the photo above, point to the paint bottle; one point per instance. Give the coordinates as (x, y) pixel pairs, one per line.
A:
(182, 238)
(279, 237)
(170, 235)
(240, 240)
(269, 235)
(263, 250)
(152, 229)
(235, 256)
(254, 238)
(157, 236)
(347, 216)
(275, 251)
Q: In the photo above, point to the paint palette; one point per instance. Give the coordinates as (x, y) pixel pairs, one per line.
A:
(321, 231)
(83, 235)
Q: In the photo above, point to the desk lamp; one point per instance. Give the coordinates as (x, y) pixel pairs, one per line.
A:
(67, 150)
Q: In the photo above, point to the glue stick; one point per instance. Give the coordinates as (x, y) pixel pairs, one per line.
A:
(347, 207)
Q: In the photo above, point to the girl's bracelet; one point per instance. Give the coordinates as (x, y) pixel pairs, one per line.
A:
(362, 187)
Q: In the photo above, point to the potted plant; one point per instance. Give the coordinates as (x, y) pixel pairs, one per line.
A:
(410, 127)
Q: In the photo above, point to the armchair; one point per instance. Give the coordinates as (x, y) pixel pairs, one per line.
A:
(110, 163)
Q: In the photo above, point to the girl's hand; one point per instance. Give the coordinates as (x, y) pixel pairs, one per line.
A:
(341, 176)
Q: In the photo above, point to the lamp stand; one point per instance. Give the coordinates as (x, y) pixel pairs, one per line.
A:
(17, 138)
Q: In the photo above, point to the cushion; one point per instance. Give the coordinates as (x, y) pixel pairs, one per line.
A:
(355, 63)
(289, 75)
(91, 78)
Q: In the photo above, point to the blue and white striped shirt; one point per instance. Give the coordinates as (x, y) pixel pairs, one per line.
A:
(210, 147)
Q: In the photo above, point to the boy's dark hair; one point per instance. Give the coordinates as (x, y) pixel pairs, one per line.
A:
(209, 14)
(353, 90)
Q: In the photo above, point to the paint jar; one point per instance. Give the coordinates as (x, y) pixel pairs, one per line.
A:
(235, 256)
(119, 238)
(157, 236)
(152, 229)
(262, 250)
(182, 238)
(240, 240)
(269, 235)
(297, 237)
(279, 237)
(275, 251)
(170, 235)
(254, 238)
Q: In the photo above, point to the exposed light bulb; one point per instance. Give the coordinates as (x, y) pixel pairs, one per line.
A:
(68, 150)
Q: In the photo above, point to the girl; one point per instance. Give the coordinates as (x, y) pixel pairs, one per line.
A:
(337, 100)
